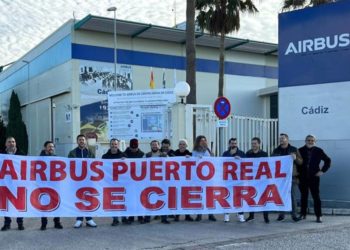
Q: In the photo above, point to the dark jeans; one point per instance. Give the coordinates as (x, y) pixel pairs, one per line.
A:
(86, 218)
(8, 220)
(312, 183)
(56, 220)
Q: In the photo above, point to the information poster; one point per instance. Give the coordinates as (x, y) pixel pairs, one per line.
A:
(139, 114)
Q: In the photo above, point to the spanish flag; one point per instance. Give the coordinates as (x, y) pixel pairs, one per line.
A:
(151, 83)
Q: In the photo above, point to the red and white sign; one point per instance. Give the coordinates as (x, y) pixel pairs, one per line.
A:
(58, 186)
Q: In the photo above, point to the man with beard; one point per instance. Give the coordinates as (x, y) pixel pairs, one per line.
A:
(11, 149)
(114, 153)
(82, 151)
(286, 149)
(310, 173)
(256, 152)
(155, 152)
(233, 151)
(49, 150)
(133, 151)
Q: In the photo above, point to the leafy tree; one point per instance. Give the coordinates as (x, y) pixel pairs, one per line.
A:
(2, 134)
(221, 17)
(297, 4)
(191, 51)
(16, 126)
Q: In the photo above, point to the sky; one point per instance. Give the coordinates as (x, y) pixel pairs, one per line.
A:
(25, 23)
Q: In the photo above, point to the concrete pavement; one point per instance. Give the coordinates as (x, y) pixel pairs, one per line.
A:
(177, 235)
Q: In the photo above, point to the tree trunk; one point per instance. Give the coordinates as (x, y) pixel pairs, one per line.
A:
(221, 65)
(191, 52)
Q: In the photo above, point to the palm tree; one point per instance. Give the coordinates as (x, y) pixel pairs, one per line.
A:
(297, 4)
(191, 52)
(221, 17)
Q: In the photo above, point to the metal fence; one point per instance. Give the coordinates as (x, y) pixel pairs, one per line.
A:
(201, 120)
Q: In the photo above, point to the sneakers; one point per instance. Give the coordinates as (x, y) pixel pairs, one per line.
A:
(199, 217)
(43, 227)
(91, 223)
(280, 218)
(226, 217)
(250, 218)
(6, 227)
(240, 217)
(20, 227)
(78, 224)
(319, 219)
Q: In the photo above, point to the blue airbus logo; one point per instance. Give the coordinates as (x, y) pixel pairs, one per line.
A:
(318, 44)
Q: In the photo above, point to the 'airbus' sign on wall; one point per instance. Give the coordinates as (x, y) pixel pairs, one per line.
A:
(318, 39)
(319, 44)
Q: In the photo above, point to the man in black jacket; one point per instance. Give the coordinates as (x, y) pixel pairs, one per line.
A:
(11, 149)
(114, 153)
(133, 151)
(235, 152)
(310, 173)
(256, 152)
(286, 149)
(49, 150)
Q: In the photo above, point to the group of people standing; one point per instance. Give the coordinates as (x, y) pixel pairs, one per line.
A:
(305, 175)
(306, 172)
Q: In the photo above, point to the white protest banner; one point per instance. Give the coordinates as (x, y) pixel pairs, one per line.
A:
(57, 186)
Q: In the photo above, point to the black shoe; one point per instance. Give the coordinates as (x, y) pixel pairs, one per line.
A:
(58, 225)
(165, 222)
(296, 219)
(212, 218)
(250, 218)
(319, 219)
(20, 227)
(157, 217)
(43, 227)
(188, 218)
(115, 222)
(146, 221)
(280, 218)
(266, 219)
(125, 221)
(302, 217)
(131, 219)
(177, 218)
(198, 218)
(6, 227)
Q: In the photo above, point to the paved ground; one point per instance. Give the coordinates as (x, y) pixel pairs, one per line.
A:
(333, 233)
